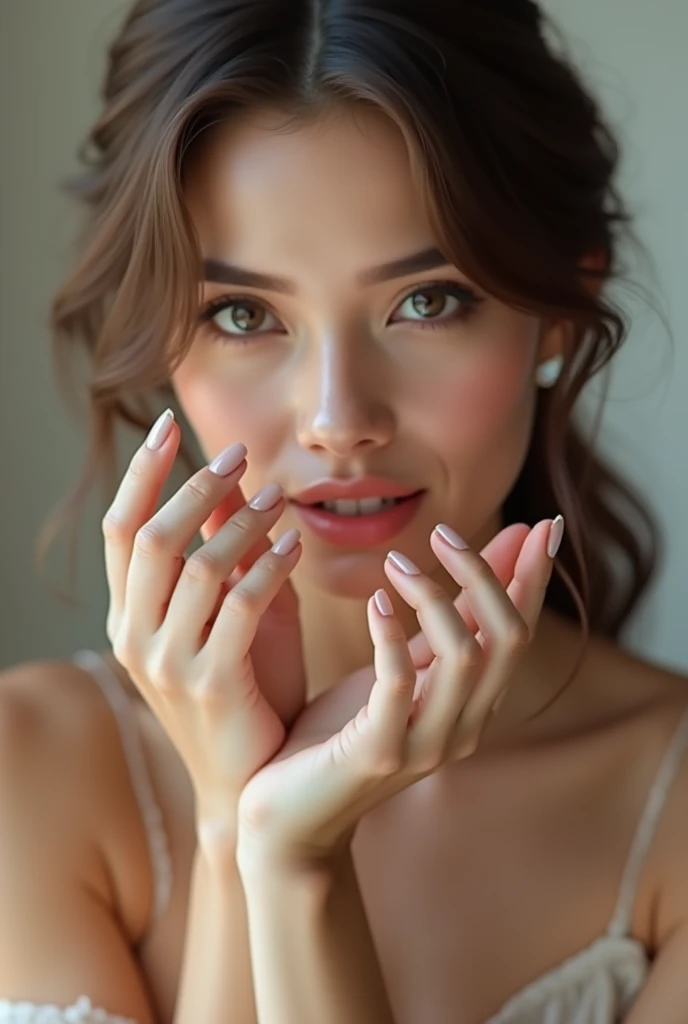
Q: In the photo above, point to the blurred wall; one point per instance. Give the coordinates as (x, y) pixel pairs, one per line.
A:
(51, 61)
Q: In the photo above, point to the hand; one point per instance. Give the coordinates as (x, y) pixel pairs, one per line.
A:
(303, 806)
(185, 636)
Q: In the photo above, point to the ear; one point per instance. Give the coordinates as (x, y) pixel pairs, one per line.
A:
(597, 262)
(553, 335)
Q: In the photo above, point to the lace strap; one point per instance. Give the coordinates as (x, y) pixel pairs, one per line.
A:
(659, 792)
(120, 702)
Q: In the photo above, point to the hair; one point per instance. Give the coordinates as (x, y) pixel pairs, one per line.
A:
(514, 162)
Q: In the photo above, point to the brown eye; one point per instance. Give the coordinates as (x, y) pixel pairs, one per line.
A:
(428, 303)
(246, 316)
(438, 305)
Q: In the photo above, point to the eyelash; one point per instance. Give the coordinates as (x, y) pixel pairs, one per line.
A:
(465, 295)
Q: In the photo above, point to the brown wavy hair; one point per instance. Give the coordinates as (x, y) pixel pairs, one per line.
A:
(515, 164)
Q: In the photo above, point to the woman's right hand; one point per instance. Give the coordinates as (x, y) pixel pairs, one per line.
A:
(182, 633)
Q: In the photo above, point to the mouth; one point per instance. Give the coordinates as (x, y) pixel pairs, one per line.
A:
(353, 507)
(360, 522)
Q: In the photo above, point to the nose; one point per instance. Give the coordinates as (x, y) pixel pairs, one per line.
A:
(344, 405)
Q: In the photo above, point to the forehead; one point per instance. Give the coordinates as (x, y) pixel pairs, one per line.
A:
(341, 185)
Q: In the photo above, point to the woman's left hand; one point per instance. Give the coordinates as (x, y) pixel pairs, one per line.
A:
(303, 806)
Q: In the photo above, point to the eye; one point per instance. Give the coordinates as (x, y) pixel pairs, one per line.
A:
(432, 300)
(237, 319)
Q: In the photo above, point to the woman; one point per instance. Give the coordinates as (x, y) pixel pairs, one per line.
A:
(361, 248)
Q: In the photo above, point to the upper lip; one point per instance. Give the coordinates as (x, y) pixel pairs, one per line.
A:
(336, 489)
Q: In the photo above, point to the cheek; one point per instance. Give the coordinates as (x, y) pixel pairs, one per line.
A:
(488, 400)
(221, 410)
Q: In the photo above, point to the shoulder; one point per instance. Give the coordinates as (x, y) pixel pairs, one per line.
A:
(655, 700)
(47, 706)
(63, 775)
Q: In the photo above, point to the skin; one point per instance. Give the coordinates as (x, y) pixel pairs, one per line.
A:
(448, 409)
(338, 389)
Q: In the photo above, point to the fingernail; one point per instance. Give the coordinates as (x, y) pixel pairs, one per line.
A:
(228, 460)
(384, 605)
(160, 430)
(403, 563)
(451, 536)
(267, 498)
(287, 542)
(556, 533)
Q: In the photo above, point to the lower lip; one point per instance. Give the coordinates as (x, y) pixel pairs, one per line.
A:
(360, 531)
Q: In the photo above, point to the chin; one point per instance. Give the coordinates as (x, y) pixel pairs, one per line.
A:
(350, 574)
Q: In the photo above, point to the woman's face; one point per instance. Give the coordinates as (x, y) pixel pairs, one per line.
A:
(338, 373)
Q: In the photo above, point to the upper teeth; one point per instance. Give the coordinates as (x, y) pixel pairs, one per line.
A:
(364, 507)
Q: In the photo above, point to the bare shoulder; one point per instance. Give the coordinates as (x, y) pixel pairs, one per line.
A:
(63, 932)
(654, 700)
(61, 754)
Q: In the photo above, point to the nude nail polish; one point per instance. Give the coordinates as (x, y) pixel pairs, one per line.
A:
(451, 536)
(228, 460)
(287, 542)
(160, 431)
(556, 534)
(403, 563)
(384, 605)
(267, 498)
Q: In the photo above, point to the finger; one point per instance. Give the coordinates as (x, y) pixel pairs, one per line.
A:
(504, 634)
(458, 657)
(501, 554)
(206, 570)
(160, 542)
(134, 503)
(237, 620)
(391, 698)
(533, 570)
(532, 575)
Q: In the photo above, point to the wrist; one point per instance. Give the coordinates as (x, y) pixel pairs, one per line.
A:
(217, 827)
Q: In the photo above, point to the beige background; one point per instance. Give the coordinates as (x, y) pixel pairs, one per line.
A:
(51, 62)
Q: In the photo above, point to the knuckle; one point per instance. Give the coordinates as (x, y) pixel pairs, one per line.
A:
(466, 658)
(199, 489)
(240, 604)
(151, 539)
(240, 525)
(400, 681)
(467, 744)
(125, 647)
(516, 637)
(203, 567)
(113, 527)
(163, 673)
(482, 570)
(434, 594)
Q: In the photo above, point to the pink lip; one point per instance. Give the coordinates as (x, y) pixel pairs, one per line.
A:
(360, 531)
(334, 488)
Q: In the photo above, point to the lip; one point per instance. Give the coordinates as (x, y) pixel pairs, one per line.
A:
(333, 489)
(360, 530)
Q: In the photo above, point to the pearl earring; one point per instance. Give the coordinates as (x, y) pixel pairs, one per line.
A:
(548, 372)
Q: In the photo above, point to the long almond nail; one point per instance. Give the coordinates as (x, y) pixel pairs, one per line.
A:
(556, 534)
(403, 563)
(451, 536)
(287, 542)
(267, 498)
(160, 431)
(228, 460)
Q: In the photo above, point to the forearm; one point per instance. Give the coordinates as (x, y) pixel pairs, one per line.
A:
(312, 949)
(216, 985)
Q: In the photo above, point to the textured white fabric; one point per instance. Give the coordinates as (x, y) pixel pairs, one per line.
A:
(81, 1012)
(594, 986)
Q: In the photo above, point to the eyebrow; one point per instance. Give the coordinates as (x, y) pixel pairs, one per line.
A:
(227, 273)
